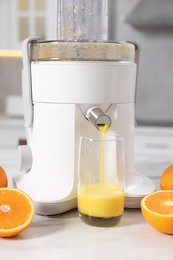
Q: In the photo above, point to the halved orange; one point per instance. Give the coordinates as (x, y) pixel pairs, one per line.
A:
(3, 178)
(17, 211)
(157, 209)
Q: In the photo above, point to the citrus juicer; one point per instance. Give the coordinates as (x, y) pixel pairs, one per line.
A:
(70, 87)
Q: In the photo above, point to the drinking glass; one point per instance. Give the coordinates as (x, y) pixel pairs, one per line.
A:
(101, 180)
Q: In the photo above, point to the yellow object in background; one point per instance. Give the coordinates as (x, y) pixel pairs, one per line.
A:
(10, 53)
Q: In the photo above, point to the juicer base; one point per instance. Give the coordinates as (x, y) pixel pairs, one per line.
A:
(54, 208)
(132, 202)
(136, 188)
(49, 208)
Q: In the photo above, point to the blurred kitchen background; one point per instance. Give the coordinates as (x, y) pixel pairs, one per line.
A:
(147, 22)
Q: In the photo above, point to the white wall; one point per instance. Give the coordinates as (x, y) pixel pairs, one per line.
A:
(10, 79)
(4, 24)
(155, 82)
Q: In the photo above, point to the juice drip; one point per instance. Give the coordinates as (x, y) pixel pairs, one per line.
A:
(103, 128)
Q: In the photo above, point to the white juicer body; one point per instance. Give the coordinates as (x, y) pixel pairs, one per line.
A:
(55, 121)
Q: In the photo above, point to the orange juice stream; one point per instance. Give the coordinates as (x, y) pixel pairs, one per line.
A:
(103, 128)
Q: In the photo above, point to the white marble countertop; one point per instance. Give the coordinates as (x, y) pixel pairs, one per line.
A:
(66, 237)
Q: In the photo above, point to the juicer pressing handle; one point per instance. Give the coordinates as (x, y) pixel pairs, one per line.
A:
(97, 117)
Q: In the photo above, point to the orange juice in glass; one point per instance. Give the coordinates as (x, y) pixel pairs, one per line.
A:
(101, 180)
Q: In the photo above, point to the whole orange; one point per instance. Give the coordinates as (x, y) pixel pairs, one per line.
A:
(3, 178)
(166, 179)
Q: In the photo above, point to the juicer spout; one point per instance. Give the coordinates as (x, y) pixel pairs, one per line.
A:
(97, 117)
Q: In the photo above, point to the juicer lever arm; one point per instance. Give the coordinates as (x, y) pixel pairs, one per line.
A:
(26, 82)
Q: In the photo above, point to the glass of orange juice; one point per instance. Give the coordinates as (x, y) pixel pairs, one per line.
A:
(101, 180)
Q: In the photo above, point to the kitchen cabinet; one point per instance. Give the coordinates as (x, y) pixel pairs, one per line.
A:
(26, 18)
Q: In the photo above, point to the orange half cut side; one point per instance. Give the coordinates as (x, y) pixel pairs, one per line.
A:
(157, 209)
(17, 211)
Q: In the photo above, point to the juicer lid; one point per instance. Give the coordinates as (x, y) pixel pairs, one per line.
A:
(83, 51)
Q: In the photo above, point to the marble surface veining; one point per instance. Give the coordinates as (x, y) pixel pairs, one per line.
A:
(64, 236)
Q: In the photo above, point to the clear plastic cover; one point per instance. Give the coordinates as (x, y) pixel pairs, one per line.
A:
(82, 20)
